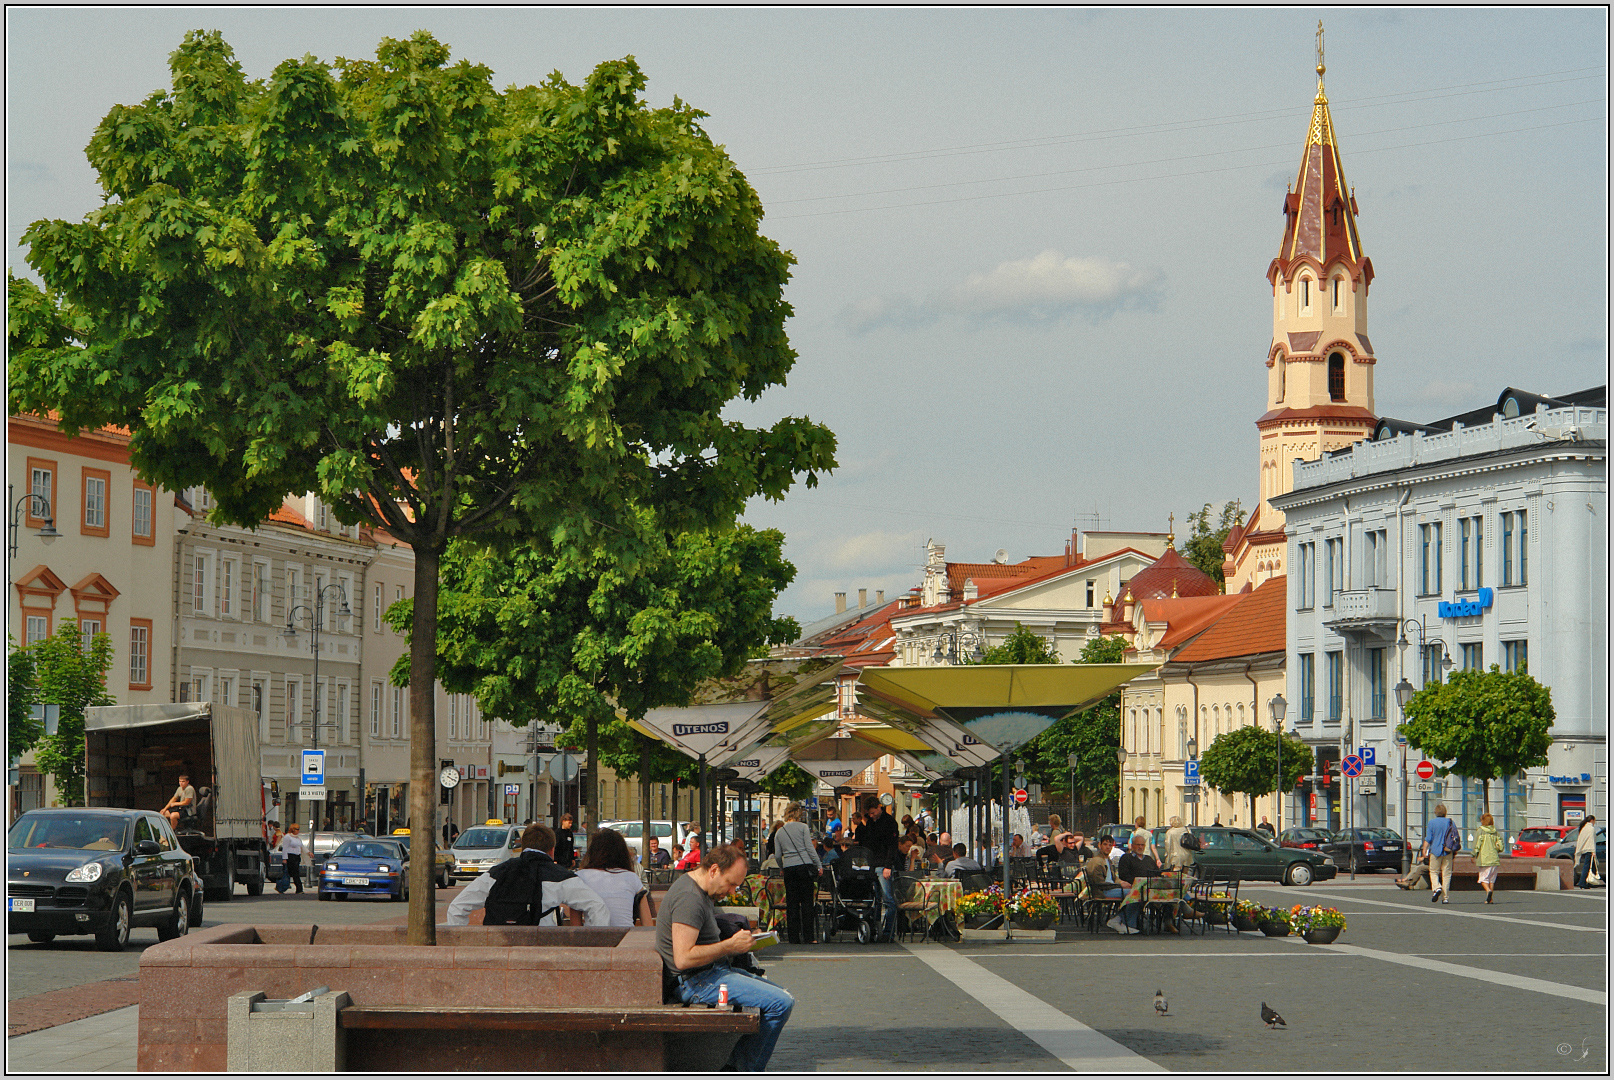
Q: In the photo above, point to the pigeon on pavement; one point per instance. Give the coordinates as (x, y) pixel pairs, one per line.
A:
(1159, 1003)
(1273, 1020)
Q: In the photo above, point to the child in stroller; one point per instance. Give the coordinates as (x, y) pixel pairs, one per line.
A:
(855, 902)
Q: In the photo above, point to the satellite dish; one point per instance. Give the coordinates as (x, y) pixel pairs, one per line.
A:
(1001, 556)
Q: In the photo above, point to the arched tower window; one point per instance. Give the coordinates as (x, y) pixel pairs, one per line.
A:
(1305, 296)
(1336, 376)
(1282, 372)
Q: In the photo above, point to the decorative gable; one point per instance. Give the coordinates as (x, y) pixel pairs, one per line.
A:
(93, 596)
(39, 587)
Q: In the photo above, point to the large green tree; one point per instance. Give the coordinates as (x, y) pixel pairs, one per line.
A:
(1204, 546)
(1244, 761)
(450, 311)
(71, 675)
(1487, 724)
(22, 693)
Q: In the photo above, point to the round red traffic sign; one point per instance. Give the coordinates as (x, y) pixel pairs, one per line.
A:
(1426, 770)
(1020, 795)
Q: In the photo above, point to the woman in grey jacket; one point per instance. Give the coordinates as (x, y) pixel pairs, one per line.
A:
(793, 845)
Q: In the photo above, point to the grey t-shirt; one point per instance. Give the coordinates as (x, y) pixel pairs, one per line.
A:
(687, 903)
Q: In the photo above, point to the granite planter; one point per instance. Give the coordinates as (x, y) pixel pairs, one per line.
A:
(1322, 935)
(1272, 929)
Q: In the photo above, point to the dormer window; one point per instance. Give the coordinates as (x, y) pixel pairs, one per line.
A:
(1336, 376)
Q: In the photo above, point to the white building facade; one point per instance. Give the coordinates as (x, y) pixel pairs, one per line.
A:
(1478, 545)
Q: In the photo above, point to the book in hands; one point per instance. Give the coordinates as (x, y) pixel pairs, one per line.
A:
(763, 941)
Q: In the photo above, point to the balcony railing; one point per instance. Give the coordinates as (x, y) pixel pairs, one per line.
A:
(1372, 603)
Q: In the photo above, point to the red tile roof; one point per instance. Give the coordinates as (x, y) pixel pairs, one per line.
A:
(1171, 574)
(1185, 616)
(1254, 625)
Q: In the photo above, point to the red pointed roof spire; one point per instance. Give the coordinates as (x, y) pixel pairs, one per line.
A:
(1320, 208)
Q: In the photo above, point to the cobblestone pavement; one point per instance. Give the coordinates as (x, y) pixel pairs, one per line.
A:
(1519, 985)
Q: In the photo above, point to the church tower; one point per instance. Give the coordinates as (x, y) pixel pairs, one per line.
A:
(1320, 363)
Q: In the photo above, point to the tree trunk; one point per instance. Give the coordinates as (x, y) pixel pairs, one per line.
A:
(423, 752)
(1485, 791)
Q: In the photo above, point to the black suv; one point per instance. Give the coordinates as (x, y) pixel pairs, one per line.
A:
(98, 871)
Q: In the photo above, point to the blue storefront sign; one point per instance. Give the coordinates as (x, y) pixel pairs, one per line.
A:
(1456, 609)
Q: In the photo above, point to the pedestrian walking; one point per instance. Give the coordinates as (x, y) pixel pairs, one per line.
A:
(291, 846)
(565, 842)
(1585, 852)
(878, 833)
(1441, 842)
(793, 844)
(1487, 855)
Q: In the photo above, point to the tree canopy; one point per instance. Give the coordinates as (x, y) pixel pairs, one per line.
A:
(1487, 724)
(22, 693)
(71, 675)
(1204, 546)
(1244, 761)
(450, 311)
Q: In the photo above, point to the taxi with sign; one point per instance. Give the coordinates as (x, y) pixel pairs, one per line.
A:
(482, 847)
(442, 859)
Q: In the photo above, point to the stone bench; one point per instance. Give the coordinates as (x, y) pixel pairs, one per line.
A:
(405, 1038)
(186, 984)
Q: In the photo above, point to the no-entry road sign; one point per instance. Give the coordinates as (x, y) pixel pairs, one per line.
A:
(1426, 770)
(1020, 795)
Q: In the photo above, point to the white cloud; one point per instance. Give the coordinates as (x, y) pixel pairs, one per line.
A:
(1049, 286)
(879, 550)
(1456, 394)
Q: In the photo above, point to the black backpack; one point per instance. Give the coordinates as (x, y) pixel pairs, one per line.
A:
(516, 898)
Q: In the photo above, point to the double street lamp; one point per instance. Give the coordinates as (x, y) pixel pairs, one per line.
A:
(1403, 694)
(316, 620)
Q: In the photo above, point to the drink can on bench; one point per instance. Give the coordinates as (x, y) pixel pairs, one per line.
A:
(722, 993)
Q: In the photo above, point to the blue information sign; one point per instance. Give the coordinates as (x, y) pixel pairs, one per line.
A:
(313, 768)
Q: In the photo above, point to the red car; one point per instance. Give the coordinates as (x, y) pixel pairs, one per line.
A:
(1535, 840)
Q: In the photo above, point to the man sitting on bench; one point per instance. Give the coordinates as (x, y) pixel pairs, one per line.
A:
(183, 804)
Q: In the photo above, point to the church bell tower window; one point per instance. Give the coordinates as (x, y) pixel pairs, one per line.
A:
(1336, 377)
(1305, 296)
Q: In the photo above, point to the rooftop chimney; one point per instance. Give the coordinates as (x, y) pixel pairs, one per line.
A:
(879, 598)
(862, 598)
(840, 603)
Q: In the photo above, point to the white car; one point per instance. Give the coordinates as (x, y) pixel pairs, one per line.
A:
(482, 847)
(632, 832)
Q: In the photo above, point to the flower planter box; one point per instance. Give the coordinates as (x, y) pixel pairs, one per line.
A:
(1033, 922)
(1275, 929)
(1245, 922)
(1322, 935)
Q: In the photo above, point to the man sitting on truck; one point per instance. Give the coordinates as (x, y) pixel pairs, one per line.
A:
(183, 804)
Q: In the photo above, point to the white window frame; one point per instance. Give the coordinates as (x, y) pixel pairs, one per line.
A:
(87, 629)
(294, 709)
(95, 502)
(378, 590)
(146, 513)
(33, 623)
(397, 712)
(227, 572)
(375, 709)
(344, 732)
(201, 578)
(139, 655)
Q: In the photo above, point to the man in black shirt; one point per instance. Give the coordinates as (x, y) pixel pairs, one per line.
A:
(565, 842)
(878, 833)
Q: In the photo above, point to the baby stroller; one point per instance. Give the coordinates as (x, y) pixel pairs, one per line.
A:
(854, 895)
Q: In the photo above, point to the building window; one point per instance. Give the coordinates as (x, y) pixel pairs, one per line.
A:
(140, 654)
(41, 485)
(1515, 655)
(1090, 586)
(375, 710)
(140, 519)
(1308, 575)
(454, 716)
(294, 709)
(378, 609)
(293, 584)
(37, 628)
(95, 483)
(1375, 566)
(1336, 295)
(1331, 567)
(1507, 549)
(1308, 687)
(1336, 376)
(1336, 686)
(1471, 574)
(1524, 549)
(397, 711)
(1182, 733)
(87, 629)
(397, 594)
(1375, 684)
(1429, 562)
(1474, 656)
(1433, 655)
(226, 691)
(199, 586)
(1305, 296)
(227, 587)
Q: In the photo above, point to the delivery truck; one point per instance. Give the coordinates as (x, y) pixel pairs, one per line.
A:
(134, 756)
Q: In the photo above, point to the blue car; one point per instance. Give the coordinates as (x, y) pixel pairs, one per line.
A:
(366, 867)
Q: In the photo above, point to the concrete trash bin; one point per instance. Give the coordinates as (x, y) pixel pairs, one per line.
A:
(1547, 879)
(296, 1036)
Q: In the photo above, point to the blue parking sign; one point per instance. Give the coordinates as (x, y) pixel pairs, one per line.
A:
(1366, 754)
(1190, 771)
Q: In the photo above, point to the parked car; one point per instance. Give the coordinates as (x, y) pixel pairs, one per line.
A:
(441, 856)
(1360, 850)
(100, 871)
(366, 867)
(482, 847)
(631, 832)
(1311, 838)
(1565, 849)
(1250, 856)
(1534, 841)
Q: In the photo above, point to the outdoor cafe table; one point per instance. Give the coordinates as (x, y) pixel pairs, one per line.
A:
(937, 894)
(762, 893)
(1164, 889)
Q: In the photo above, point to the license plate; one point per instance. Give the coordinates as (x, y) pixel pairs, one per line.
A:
(355, 881)
(1392, 847)
(17, 903)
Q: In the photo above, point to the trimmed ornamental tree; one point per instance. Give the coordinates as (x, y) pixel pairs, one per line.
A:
(571, 638)
(1244, 761)
(1486, 724)
(448, 310)
(72, 676)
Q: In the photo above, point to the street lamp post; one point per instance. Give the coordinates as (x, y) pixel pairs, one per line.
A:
(1279, 709)
(1120, 760)
(46, 532)
(316, 620)
(1072, 760)
(1403, 694)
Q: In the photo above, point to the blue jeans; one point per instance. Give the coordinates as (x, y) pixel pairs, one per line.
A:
(1130, 915)
(752, 1052)
(1583, 869)
(888, 907)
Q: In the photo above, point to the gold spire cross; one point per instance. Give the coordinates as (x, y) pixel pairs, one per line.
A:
(1320, 67)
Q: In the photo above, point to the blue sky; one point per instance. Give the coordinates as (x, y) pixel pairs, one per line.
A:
(1031, 244)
